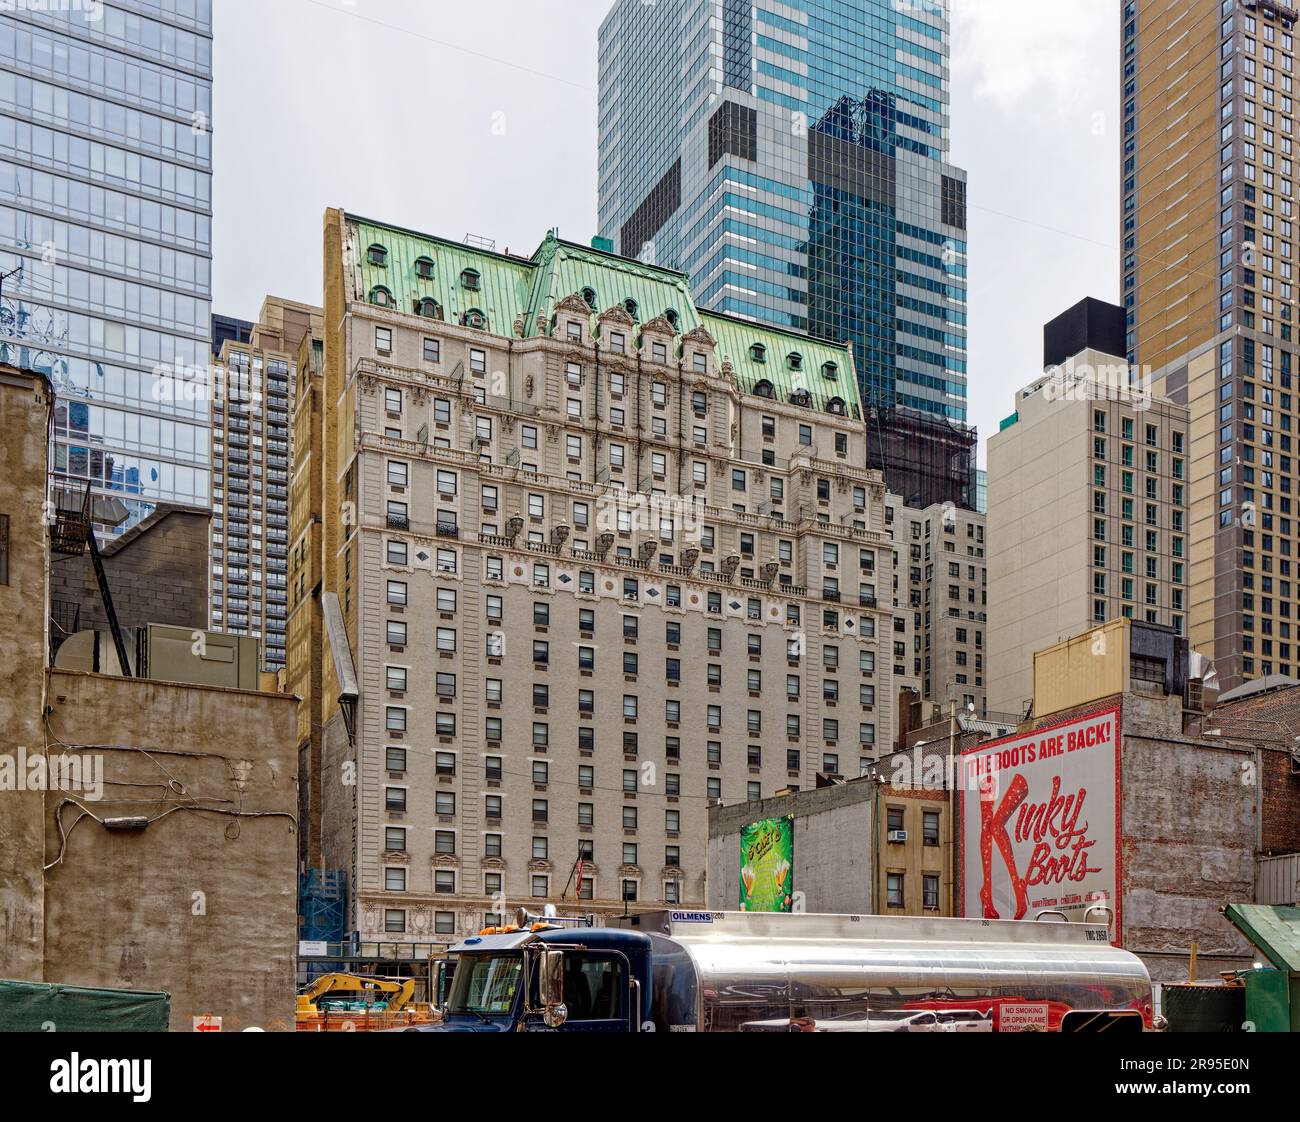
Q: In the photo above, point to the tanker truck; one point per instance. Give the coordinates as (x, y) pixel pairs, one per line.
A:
(705, 971)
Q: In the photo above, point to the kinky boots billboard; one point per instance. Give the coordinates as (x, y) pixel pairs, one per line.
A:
(1040, 824)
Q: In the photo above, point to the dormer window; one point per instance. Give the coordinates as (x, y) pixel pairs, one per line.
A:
(475, 318)
(836, 406)
(589, 295)
(764, 389)
(758, 352)
(424, 268)
(795, 359)
(672, 317)
(377, 255)
(801, 397)
(830, 371)
(470, 279)
(631, 307)
(381, 297)
(429, 308)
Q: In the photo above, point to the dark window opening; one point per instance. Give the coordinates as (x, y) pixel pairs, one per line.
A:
(733, 131)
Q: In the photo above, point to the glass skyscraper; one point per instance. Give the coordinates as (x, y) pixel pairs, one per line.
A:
(105, 234)
(792, 158)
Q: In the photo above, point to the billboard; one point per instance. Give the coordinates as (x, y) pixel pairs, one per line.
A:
(1040, 823)
(767, 866)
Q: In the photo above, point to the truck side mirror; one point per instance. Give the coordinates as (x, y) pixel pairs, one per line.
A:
(440, 986)
(550, 979)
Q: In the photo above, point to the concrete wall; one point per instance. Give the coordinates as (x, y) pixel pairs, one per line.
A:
(832, 848)
(25, 404)
(202, 903)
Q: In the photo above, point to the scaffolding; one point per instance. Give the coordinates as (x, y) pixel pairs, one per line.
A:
(322, 905)
(926, 460)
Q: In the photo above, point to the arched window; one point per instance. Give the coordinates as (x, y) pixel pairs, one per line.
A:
(381, 296)
(801, 397)
(589, 295)
(428, 307)
(630, 305)
(672, 317)
(377, 255)
(830, 371)
(424, 268)
(469, 279)
(836, 406)
(475, 318)
(764, 389)
(795, 360)
(758, 352)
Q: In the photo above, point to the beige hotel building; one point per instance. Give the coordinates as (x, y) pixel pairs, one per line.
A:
(572, 560)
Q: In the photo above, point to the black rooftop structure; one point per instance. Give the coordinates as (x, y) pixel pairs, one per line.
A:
(1090, 325)
(227, 328)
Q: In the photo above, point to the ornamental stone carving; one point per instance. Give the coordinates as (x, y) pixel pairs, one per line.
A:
(659, 326)
(700, 337)
(574, 305)
(618, 315)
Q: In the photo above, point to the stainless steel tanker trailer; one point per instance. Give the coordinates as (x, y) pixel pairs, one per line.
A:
(699, 971)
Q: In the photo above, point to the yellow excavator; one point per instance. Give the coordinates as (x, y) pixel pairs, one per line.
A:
(351, 1002)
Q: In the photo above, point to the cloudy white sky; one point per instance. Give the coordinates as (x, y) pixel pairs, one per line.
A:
(479, 118)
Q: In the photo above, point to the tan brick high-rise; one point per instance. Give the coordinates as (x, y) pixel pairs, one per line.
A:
(1209, 252)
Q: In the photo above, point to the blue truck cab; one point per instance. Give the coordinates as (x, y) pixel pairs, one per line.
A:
(547, 978)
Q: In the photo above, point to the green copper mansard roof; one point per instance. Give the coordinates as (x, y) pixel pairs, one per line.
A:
(417, 266)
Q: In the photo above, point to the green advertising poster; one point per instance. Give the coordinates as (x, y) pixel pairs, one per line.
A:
(767, 866)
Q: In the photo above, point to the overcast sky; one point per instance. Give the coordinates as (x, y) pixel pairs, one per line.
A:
(479, 118)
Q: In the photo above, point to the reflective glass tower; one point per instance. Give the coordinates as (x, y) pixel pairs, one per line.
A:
(105, 232)
(792, 158)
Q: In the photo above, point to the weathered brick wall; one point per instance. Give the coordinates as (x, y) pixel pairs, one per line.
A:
(1188, 849)
(1281, 832)
(1270, 721)
(157, 573)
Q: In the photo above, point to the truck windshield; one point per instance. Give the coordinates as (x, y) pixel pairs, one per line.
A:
(485, 983)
